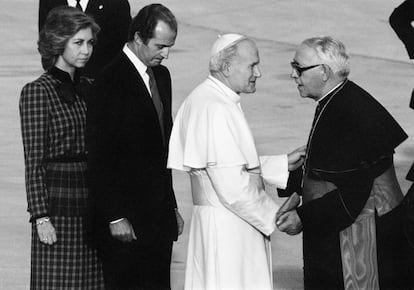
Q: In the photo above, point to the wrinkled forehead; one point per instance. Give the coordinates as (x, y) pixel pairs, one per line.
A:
(248, 51)
(305, 55)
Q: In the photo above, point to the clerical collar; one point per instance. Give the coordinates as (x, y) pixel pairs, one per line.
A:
(226, 90)
(328, 93)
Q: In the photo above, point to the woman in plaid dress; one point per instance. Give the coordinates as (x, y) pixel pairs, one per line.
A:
(53, 119)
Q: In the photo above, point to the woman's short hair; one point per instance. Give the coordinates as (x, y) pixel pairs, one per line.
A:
(61, 24)
(331, 52)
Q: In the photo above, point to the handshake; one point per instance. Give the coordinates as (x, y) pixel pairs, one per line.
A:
(287, 219)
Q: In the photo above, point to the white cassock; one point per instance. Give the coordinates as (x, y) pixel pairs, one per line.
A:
(233, 217)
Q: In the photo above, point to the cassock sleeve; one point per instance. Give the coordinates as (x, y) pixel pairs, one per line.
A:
(293, 183)
(243, 194)
(339, 208)
(336, 210)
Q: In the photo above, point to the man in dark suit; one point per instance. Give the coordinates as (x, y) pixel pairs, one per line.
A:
(113, 17)
(401, 21)
(408, 223)
(129, 123)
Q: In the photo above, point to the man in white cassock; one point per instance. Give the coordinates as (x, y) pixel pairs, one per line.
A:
(233, 217)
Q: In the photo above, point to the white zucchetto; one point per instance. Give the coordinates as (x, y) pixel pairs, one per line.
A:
(224, 41)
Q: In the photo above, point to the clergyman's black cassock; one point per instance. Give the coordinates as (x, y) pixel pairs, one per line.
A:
(351, 144)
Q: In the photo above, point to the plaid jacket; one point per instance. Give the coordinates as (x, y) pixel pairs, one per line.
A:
(51, 128)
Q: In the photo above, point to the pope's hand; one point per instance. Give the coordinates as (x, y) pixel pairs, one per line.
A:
(296, 158)
(291, 203)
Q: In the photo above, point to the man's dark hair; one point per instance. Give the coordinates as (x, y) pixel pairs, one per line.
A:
(146, 20)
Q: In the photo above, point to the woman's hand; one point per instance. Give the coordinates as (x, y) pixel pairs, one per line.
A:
(296, 158)
(46, 231)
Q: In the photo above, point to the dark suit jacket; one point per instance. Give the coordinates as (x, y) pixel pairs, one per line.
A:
(113, 16)
(400, 20)
(410, 174)
(127, 157)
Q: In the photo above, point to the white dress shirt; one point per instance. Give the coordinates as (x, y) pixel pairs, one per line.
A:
(83, 4)
(139, 65)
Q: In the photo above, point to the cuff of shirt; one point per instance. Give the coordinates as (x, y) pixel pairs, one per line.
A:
(275, 170)
(33, 218)
(116, 221)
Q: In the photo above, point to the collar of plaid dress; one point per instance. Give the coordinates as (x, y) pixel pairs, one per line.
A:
(224, 41)
(68, 89)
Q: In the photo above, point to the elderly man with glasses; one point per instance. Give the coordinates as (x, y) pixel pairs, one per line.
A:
(350, 215)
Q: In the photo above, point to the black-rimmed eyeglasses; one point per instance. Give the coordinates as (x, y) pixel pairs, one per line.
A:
(299, 70)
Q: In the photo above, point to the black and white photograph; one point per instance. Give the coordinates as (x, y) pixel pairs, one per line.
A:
(206, 145)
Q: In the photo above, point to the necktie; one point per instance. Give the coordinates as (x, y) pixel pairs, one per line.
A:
(78, 6)
(156, 100)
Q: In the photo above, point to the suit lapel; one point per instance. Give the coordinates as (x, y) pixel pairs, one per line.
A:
(95, 6)
(138, 88)
(134, 79)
